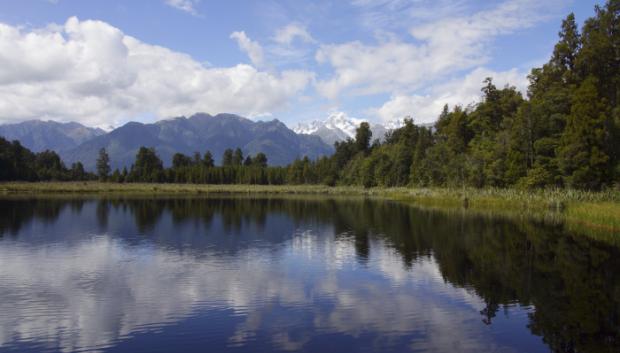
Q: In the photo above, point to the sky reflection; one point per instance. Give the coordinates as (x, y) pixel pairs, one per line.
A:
(305, 288)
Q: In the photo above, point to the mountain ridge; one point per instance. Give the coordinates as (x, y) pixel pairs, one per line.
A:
(40, 135)
(198, 133)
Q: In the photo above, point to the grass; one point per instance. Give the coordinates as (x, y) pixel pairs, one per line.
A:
(138, 188)
(592, 212)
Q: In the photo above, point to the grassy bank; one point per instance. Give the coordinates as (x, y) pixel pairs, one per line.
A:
(593, 212)
(171, 189)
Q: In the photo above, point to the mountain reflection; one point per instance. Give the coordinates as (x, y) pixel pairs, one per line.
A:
(245, 274)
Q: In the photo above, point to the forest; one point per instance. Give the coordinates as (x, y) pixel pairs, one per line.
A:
(564, 133)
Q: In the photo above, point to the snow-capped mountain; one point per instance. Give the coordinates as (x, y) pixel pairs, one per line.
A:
(335, 121)
(339, 126)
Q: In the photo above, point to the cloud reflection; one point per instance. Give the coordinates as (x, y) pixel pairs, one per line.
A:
(95, 293)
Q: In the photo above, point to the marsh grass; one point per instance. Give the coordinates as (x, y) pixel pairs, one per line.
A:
(596, 214)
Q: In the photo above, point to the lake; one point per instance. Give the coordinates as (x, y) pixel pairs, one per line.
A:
(309, 274)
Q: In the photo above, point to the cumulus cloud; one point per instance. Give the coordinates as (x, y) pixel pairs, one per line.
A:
(463, 91)
(188, 6)
(90, 71)
(252, 48)
(436, 48)
(287, 34)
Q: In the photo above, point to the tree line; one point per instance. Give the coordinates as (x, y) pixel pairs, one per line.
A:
(19, 163)
(197, 169)
(564, 133)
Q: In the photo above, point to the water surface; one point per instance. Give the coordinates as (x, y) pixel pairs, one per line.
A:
(282, 275)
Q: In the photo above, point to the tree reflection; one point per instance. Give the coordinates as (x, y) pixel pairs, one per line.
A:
(571, 280)
(15, 213)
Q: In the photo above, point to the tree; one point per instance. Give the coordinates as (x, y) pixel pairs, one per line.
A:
(77, 171)
(116, 176)
(583, 156)
(363, 136)
(180, 160)
(147, 167)
(237, 158)
(260, 160)
(103, 164)
(207, 160)
(227, 158)
(600, 57)
(566, 50)
(247, 162)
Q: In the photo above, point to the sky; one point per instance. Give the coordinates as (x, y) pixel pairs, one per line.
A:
(106, 62)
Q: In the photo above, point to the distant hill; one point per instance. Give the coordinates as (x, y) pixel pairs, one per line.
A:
(199, 133)
(38, 135)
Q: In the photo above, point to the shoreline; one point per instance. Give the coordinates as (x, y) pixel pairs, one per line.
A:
(593, 212)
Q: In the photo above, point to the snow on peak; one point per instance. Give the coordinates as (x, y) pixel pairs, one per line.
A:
(339, 126)
(307, 128)
(335, 121)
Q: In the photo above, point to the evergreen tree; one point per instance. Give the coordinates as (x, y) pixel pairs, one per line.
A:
(207, 160)
(583, 156)
(566, 50)
(227, 158)
(180, 160)
(103, 164)
(363, 135)
(237, 158)
(147, 167)
(116, 176)
(247, 162)
(260, 160)
(77, 171)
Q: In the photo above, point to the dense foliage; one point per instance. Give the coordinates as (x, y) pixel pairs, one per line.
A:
(565, 133)
(19, 163)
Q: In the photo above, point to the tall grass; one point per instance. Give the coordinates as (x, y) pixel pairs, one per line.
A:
(593, 213)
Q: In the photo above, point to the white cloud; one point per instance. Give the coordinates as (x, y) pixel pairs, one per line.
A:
(436, 48)
(463, 91)
(287, 34)
(250, 47)
(369, 69)
(188, 6)
(398, 14)
(91, 72)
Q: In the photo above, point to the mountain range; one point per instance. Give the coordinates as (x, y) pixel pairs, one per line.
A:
(198, 133)
(339, 127)
(39, 135)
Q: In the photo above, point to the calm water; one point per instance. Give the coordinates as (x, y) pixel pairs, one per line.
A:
(280, 275)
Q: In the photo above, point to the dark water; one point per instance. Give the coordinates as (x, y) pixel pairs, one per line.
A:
(279, 275)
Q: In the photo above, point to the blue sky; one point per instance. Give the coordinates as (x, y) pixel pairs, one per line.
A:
(106, 62)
